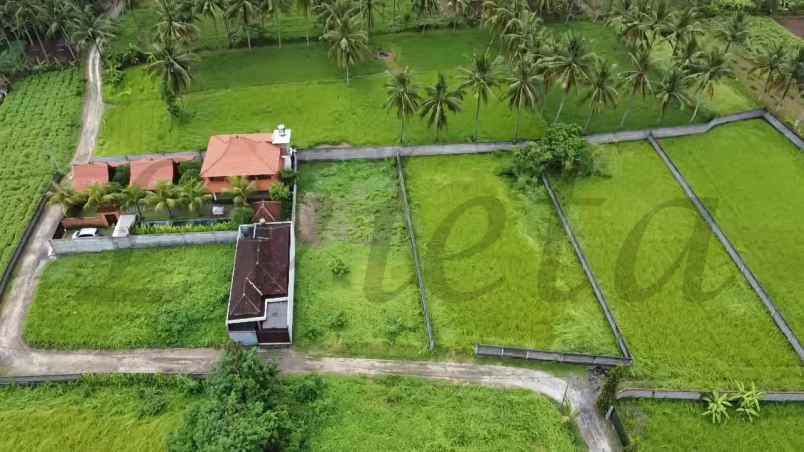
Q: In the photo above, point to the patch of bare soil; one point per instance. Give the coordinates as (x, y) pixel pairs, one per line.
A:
(794, 24)
(308, 218)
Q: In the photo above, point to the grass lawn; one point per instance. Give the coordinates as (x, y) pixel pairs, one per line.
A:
(39, 123)
(688, 315)
(121, 413)
(752, 178)
(158, 297)
(679, 426)
(351, 211)
(244, 91)
(403, 414)
(498, 267)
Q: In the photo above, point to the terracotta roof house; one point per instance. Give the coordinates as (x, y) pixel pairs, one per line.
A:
(148, 173)
(261, 296)
(86, 175)
(259, 157)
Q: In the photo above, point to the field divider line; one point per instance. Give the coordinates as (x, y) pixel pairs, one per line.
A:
(600, 295)
(684, 394)
(414, 249)
(777, 316)
(496, 351)
(782, 128)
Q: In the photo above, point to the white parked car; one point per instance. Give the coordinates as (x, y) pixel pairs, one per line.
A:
(86, 233)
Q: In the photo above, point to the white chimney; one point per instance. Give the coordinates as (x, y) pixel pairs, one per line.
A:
(281, 138)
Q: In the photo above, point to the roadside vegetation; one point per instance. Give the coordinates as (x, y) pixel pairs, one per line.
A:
(356, 290)
(752, 180)
(498, 267)
(247, 405)
(689, 316)
(162, 297)
(40, 122)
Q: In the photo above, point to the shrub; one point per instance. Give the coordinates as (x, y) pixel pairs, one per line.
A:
(563, 150)
(279, 192)
(338, 267)
(122, 175)
(339, 321)
(12, 59)
(717, 406)
(608, 395)
(153, 402)
(748, 401)
(190, 171)
(242, 215)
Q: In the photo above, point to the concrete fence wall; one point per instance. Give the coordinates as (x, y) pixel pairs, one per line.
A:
(671, 394)
(495, 351)
(69, 246)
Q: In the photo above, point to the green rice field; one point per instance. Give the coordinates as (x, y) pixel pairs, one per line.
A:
(689, 316)
(752, 179)
(498, 267)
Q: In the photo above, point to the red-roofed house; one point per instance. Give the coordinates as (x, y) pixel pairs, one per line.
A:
(148, 173)
(86, 175)
(255, 156)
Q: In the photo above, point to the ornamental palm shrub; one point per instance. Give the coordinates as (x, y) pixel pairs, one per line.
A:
(748, 401)
(717, 406)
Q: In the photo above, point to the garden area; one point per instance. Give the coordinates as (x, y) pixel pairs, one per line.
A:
(752, 180)
(159, 298)
(356, 290)
(498, 267)
(246, 405)
(39, 125)
(689, 316)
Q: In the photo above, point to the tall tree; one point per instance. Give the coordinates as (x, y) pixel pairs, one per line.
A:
(711, 68)
(306, 8)
(88, 28)
(735, 31)
(348, 42)
(165, 198)
(241, 189)
(132, 197)
(402, 95)
(602, 89)
(793, 74)
(439, 102)
(571, 65)
(425, 7)
(171, 64)
(194, 195)
(672, 89)
(243, 11)
(480, 79)
(172, 28)
(522, 90)
(638, 78)
(768, 62)
(212, 9)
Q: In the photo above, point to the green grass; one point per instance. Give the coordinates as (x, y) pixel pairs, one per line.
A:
(692, 322)
(402, 414)
(39, 128)
(498, 267)
(249, 91)
(679, 426)
(93, 415)
(351, 211)
(752, 179)
(168, 297)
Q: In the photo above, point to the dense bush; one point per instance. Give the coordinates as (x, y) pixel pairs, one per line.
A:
(563, 150)
(12, 59)
(122, 175)
(242, 215)
(190, 171)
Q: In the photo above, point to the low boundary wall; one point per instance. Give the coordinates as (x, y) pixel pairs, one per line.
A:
(777, 316)
(414, 249)
(671, 394)
(67, 246)
(495, 351)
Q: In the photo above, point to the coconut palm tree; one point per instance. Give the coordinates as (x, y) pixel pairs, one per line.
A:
(64, 196)
(402, 95)
(638, 78)
(522, 90)
(306, 8)
(172, 65)
(672, 89)
(165, 198)
(132, 197)
(98, 196)
(426, 7)
(439, 102)
(768, 62)
(571, 65)
(461, 9)
(243, 10)
(241, 189)
(329, 13)
(480, 79)
(735, 31)
(194, 195)
(54, 16)
(712, 67)
(684, 26)
(172, 29)
(793, 74)
(212, 9)
(88, 28)
(602, 89)
(348, 42)
(276, 8)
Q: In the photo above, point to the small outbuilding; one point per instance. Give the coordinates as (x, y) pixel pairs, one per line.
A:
(86, 175)
(149, 173)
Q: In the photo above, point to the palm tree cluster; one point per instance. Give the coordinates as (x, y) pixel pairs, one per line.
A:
(76, 23)
(346, 25)
(190, 194)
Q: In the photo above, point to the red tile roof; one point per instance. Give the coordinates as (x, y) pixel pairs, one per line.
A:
(147, 174)
(87, 174)
(241, 155)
